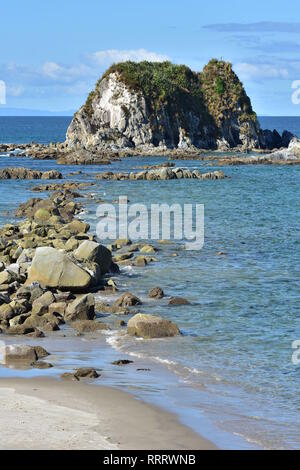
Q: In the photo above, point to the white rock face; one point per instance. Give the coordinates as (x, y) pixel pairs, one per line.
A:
(119, 119)
(291, 153)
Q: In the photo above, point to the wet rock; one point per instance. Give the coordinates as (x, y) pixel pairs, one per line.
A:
(122, 257)
(82, 308)
(88, 326)
(48, 322)
(151, 326)
(140, 261)
(86, 373)
(156, 293)
(178, 301)
(53, 268)
(20, 330)
(69, 376)
(149, 249)
(15, 353)
(41, 365)
(101, 307)
(122, 362)
(127, 300)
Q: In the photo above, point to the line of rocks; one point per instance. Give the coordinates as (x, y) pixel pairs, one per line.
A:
(164, 173)
(50, 266)
(16, 173)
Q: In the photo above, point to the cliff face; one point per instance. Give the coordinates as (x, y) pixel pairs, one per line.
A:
(146, 105)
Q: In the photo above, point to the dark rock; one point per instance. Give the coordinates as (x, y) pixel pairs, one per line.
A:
(86, 372)
(122, 362)
(156, 293)
(178, 301)
(127, 300)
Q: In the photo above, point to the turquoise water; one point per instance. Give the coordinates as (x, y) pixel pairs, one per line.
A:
(230, 375)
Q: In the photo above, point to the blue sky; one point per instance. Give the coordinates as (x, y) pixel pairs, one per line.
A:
(52, 52)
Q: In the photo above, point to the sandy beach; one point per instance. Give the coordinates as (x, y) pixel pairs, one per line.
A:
(44, 413)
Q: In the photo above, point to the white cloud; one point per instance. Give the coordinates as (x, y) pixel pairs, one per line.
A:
(114, 55)
(15, 90)
(247, 71)
(53, 80)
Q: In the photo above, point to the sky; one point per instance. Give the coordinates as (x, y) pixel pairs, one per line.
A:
(53, 52)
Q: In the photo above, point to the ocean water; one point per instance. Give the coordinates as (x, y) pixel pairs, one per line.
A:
(230, 375)
(44, 129)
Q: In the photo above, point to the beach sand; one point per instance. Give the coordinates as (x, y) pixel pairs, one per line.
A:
(43, 413)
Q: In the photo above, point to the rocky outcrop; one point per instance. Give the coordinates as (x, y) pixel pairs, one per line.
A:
(21, 353)
(162, 174)
(289, 156)
(161, 105)
(26, 174)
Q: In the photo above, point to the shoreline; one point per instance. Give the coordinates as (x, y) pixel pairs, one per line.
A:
(83, 416)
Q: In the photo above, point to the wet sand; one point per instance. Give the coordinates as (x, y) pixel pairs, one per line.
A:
(43, 413)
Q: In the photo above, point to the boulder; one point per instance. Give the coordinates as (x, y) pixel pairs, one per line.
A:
(178, 301)
(127, 300)
(16, 353)
(82, 308)
(86, 372)
(156, 293)
(53, 268)
(151, 326)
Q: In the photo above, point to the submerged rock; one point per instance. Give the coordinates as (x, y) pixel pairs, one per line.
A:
(156, 293)
(178, 301)
(122, 362)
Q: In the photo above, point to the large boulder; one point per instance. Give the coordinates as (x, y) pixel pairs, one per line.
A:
(82, 308)
(93, 251)
(151, 326)
(54, 268)
(22, 353)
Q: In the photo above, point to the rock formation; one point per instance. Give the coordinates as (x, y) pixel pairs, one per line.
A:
(165, 106)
